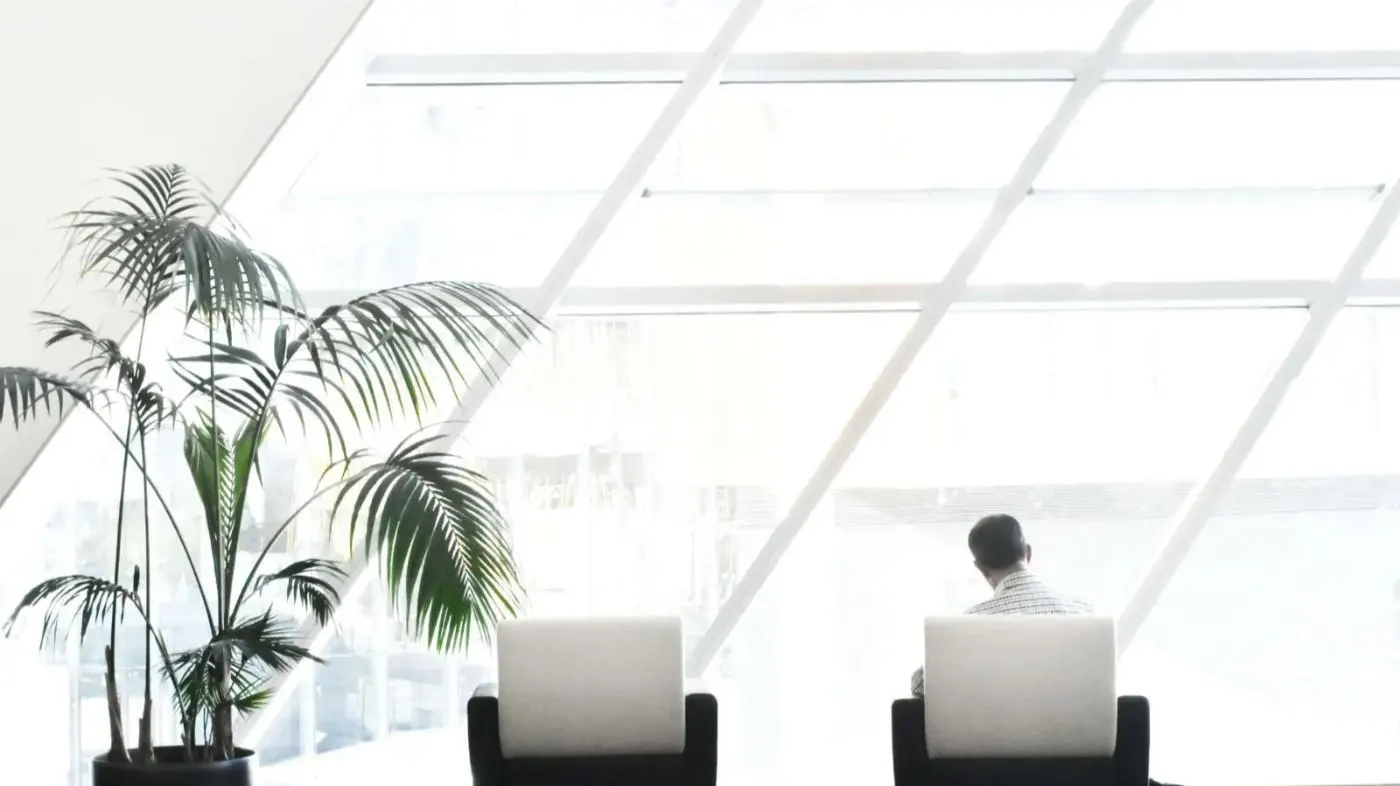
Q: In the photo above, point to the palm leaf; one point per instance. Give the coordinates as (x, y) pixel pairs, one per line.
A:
(393, 349)
(104, 354)
(155, 238)
(264, 642)
(152, 409)
(250, 386)
(222, 467)
(26, 393)
(250, 698)
(208, 457)
(255, 648)
(310, 583)
(194, 676)
(442, 541)
(84, 600)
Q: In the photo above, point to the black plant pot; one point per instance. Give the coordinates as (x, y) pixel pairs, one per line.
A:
(171, 769)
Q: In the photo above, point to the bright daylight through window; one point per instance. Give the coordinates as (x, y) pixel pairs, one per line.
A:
(1122, 329)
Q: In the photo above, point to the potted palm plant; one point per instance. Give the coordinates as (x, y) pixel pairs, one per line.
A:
(259, 367)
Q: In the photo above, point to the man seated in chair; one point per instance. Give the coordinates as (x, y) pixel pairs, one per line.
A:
(1003, 557)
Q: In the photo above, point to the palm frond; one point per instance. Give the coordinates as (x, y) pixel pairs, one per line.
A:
(310, 583)
(266, 641)
(254, 648)
(84, 600)
(209, 459)
(104, 355)
(223, 467)
(393, 349)
(442, 541)
(209, 455)
(251, 387)
(195, 677)
(26, 393)
(155, 238)
(247, 700)
(153, 410)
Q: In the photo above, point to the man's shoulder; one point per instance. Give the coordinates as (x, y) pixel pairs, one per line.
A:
(1042, 602)
(985, 607)
(1060, 606)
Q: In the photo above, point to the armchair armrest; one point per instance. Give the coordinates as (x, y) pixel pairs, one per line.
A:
(907, 739)
(702, 737)
(1131, 756)
(484, 735)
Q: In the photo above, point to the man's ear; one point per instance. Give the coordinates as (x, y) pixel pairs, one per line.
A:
(1029, 551)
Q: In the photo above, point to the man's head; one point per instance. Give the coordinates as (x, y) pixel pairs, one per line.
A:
(998, 547)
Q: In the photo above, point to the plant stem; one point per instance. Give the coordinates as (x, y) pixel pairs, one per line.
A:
(117, 750)
(114, 710)
(223, 710)
(221, 732)
(277, 535)
(170, 516)
(216, 529)
(145, 745)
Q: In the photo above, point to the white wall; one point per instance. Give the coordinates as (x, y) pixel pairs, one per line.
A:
(88, 84)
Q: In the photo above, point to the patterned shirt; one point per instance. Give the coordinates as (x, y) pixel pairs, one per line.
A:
(1019, 593)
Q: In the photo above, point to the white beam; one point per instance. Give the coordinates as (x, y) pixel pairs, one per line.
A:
(400, 203)
(758, 298)
(933, 306)
(1195, 511)
(658, 300)
(784, 67)
(626, 185)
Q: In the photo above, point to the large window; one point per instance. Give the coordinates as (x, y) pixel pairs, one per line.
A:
(711, 349)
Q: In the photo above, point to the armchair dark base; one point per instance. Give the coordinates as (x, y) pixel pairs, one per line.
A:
(1127, 767)
(695, 767)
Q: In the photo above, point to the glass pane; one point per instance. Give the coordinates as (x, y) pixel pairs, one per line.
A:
(512, 138)
(631, 451)
(543, 26)
(1279, 620)
(1088, 426)
(857, 136)
(60, 689)
(1386, 263)
(929, 25)
(380, 697)
(1178, 236)
(1270, 25)
(1338, 418)
(1023, 398)
(778, 239)
(1231, 134)
(365, 242)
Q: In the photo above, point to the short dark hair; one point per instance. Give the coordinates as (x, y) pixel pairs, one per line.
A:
(997, 542)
